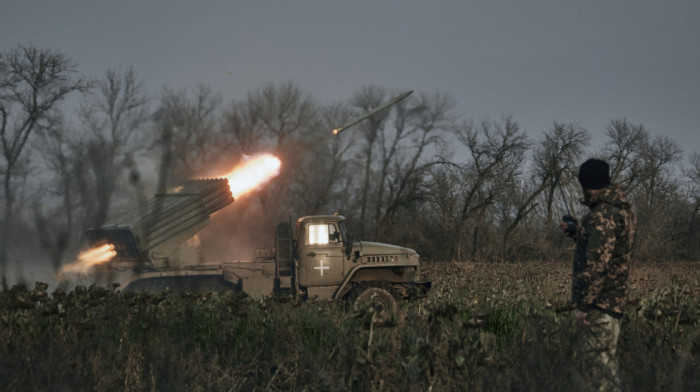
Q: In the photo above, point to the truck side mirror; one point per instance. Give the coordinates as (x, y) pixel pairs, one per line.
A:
(348, 246)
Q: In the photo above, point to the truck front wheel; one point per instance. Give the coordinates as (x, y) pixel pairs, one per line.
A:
(378, 300)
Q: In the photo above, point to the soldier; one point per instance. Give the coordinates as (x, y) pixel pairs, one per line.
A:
(600, 272)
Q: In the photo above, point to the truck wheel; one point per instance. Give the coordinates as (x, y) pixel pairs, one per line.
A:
(378, 300)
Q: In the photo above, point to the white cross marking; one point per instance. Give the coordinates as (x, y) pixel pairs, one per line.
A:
(321, 267)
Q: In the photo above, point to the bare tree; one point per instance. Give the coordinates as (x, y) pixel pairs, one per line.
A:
(191, 118)
(439, 214)
(624, 150)
(32, 82)
(279, 113)
(240, 127)
(657, 160)
(559, 147)
(418, 125)
(645, 166)
(366, 99)
(653, 190)
(393, 153)
(113, 119)
(496, 152)
(554, 164)
(56, 227)
(327, 178)
(692, 174)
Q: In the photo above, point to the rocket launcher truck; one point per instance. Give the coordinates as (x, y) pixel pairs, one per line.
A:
(155, 250)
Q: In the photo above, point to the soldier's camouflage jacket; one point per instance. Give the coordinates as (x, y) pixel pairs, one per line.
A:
(602, 257)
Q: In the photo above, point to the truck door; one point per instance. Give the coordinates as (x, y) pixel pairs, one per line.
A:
(321, 261)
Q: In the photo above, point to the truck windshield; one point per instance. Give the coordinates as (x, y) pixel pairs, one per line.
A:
(322, 234)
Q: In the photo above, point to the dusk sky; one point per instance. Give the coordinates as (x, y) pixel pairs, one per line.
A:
(585, 62)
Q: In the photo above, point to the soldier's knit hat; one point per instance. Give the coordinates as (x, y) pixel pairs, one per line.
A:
(594, 174)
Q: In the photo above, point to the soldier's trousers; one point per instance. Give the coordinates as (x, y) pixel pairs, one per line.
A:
(599, 343)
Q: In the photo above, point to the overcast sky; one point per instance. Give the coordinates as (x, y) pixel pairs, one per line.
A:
(584, 62)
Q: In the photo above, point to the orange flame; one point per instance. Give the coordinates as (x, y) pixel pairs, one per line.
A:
(91, 257)
(253, 173)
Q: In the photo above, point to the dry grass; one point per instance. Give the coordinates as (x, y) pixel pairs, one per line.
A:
(551, 281)
(482, 327)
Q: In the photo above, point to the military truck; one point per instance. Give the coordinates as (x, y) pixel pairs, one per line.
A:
(156, 248)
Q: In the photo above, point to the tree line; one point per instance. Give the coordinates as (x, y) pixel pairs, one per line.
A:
(417, 174)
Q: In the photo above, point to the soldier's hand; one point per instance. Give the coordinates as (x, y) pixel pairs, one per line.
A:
(565, 229)
(581, 318)
(569, 228)
(564, 226)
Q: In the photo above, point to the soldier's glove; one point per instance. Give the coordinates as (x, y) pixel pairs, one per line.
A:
(569, 225)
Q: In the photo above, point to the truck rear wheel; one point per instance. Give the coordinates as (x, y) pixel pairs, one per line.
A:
(377, 298)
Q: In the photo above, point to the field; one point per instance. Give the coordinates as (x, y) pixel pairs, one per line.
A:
(482, 327)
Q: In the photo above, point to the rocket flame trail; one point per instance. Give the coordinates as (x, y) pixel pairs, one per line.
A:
(87, 259)
(253, 173)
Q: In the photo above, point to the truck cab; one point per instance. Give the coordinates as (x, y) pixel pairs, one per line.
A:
(330, 264)
(321, 241)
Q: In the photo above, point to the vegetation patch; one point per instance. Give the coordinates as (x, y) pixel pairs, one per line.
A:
(482, 327)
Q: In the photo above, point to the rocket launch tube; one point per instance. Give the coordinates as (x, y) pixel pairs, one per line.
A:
(191, 205)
